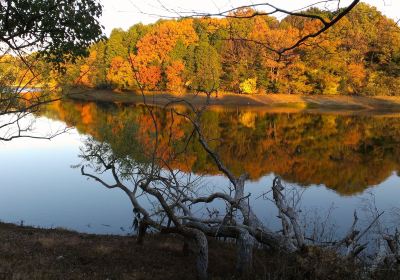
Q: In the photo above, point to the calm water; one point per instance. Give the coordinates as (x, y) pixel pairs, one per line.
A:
(339, 161)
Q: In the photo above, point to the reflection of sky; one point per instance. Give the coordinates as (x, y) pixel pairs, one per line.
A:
(39, 187)
(11, 124)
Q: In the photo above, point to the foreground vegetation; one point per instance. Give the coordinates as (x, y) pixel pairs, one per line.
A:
(32, 253)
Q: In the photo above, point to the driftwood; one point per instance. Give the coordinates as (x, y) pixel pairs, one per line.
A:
(174, 196)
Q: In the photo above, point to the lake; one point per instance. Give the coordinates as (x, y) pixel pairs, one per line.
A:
(338, 163)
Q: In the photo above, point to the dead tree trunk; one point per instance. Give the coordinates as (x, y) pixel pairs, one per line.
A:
(244, 260)
(290, 221)
(141, 232)
(202, 254)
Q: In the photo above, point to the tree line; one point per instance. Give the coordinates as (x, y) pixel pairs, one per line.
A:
(360, 55)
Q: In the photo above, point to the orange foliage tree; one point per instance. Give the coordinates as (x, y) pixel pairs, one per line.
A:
(174, 73)
(120, 73)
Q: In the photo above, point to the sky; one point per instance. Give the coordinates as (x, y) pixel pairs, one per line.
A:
(125, 13)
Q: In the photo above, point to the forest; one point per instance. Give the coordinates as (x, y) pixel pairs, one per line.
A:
(241, 53)
(358, 56)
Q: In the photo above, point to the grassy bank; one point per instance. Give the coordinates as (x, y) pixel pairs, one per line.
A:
(269, 102)
(31, 253)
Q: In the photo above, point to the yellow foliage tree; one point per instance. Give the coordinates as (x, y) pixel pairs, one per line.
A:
(249, 86)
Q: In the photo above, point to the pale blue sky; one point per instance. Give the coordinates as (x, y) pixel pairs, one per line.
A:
(125, 13)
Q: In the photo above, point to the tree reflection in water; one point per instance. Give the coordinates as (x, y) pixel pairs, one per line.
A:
(346, 153)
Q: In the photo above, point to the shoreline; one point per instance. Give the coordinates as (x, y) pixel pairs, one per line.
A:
(274, 103)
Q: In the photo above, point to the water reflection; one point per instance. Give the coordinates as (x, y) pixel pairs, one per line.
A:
(345, 153)
(332, 155)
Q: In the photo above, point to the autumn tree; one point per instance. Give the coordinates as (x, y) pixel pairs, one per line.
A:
(174, 72)
(120, 73)
(154, 48)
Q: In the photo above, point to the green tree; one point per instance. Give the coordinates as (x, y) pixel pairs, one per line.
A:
(55, 31)
(116, 45)
(207, 68)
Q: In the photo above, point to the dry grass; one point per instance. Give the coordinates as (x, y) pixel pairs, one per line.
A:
(30, 253)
